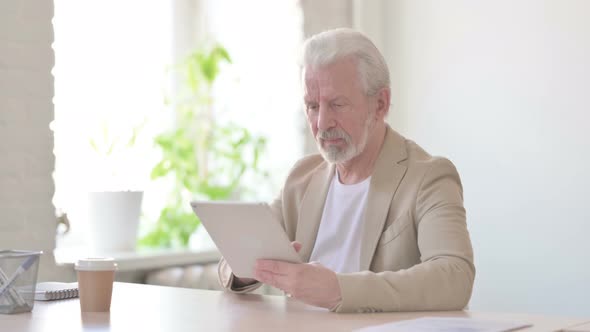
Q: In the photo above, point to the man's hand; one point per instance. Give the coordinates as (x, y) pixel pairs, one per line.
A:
(310, 283)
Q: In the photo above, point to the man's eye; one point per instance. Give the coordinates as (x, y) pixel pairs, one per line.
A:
(312, 108)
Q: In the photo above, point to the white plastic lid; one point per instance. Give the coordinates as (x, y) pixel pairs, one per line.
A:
(96, 264)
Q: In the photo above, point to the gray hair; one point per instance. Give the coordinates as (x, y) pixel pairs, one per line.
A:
(329, 46)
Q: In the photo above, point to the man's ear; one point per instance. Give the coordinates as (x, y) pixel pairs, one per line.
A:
(383, 103)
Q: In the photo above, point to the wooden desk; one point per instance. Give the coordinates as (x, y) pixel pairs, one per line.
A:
(138, 307)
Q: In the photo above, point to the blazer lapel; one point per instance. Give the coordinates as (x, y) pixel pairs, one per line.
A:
(386, 178)
(311, 209)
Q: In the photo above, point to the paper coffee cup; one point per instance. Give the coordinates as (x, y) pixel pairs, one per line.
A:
(95, 283)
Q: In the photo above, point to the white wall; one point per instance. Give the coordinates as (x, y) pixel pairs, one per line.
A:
(27, 219)
(503, 89)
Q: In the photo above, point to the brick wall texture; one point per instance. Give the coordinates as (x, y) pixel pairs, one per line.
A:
(27, 218)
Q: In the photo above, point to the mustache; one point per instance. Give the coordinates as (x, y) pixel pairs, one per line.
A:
(333, 134)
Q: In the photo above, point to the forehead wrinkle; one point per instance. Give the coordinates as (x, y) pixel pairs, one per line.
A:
(310, 91)
(322, 88)
(340, 79)
(332, 81)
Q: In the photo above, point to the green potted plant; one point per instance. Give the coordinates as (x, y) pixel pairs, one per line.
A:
(203, 158)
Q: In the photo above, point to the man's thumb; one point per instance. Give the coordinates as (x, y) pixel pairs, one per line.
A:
(296, 245)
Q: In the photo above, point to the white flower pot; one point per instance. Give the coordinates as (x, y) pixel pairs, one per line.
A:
(113, 220)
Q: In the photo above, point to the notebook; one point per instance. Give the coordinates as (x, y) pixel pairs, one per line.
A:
(51, 290)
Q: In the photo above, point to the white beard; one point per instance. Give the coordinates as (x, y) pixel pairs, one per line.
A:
(337, 155)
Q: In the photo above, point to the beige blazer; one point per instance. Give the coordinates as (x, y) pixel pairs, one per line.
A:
(416, 253)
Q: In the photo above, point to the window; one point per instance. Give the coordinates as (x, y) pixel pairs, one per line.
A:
(263, 37)
(110, 80)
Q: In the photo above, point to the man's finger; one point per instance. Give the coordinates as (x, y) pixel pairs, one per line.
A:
(273, 279)
(273, 266)
(296, 245)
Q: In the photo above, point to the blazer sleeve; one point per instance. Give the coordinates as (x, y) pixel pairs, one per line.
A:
(443, 280)
(224, 272)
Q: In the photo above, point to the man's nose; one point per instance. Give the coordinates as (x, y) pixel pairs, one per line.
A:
(325, 118)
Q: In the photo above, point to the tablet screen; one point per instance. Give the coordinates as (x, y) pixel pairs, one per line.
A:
(244, 232)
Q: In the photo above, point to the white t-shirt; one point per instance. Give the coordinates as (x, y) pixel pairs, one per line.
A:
(338, 243)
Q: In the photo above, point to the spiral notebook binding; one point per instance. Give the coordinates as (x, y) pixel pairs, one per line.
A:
(49, 291)
(62, 294)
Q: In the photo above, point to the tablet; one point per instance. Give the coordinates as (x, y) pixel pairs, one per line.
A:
(244, 232)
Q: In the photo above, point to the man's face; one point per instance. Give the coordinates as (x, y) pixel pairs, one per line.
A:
(339, 113)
